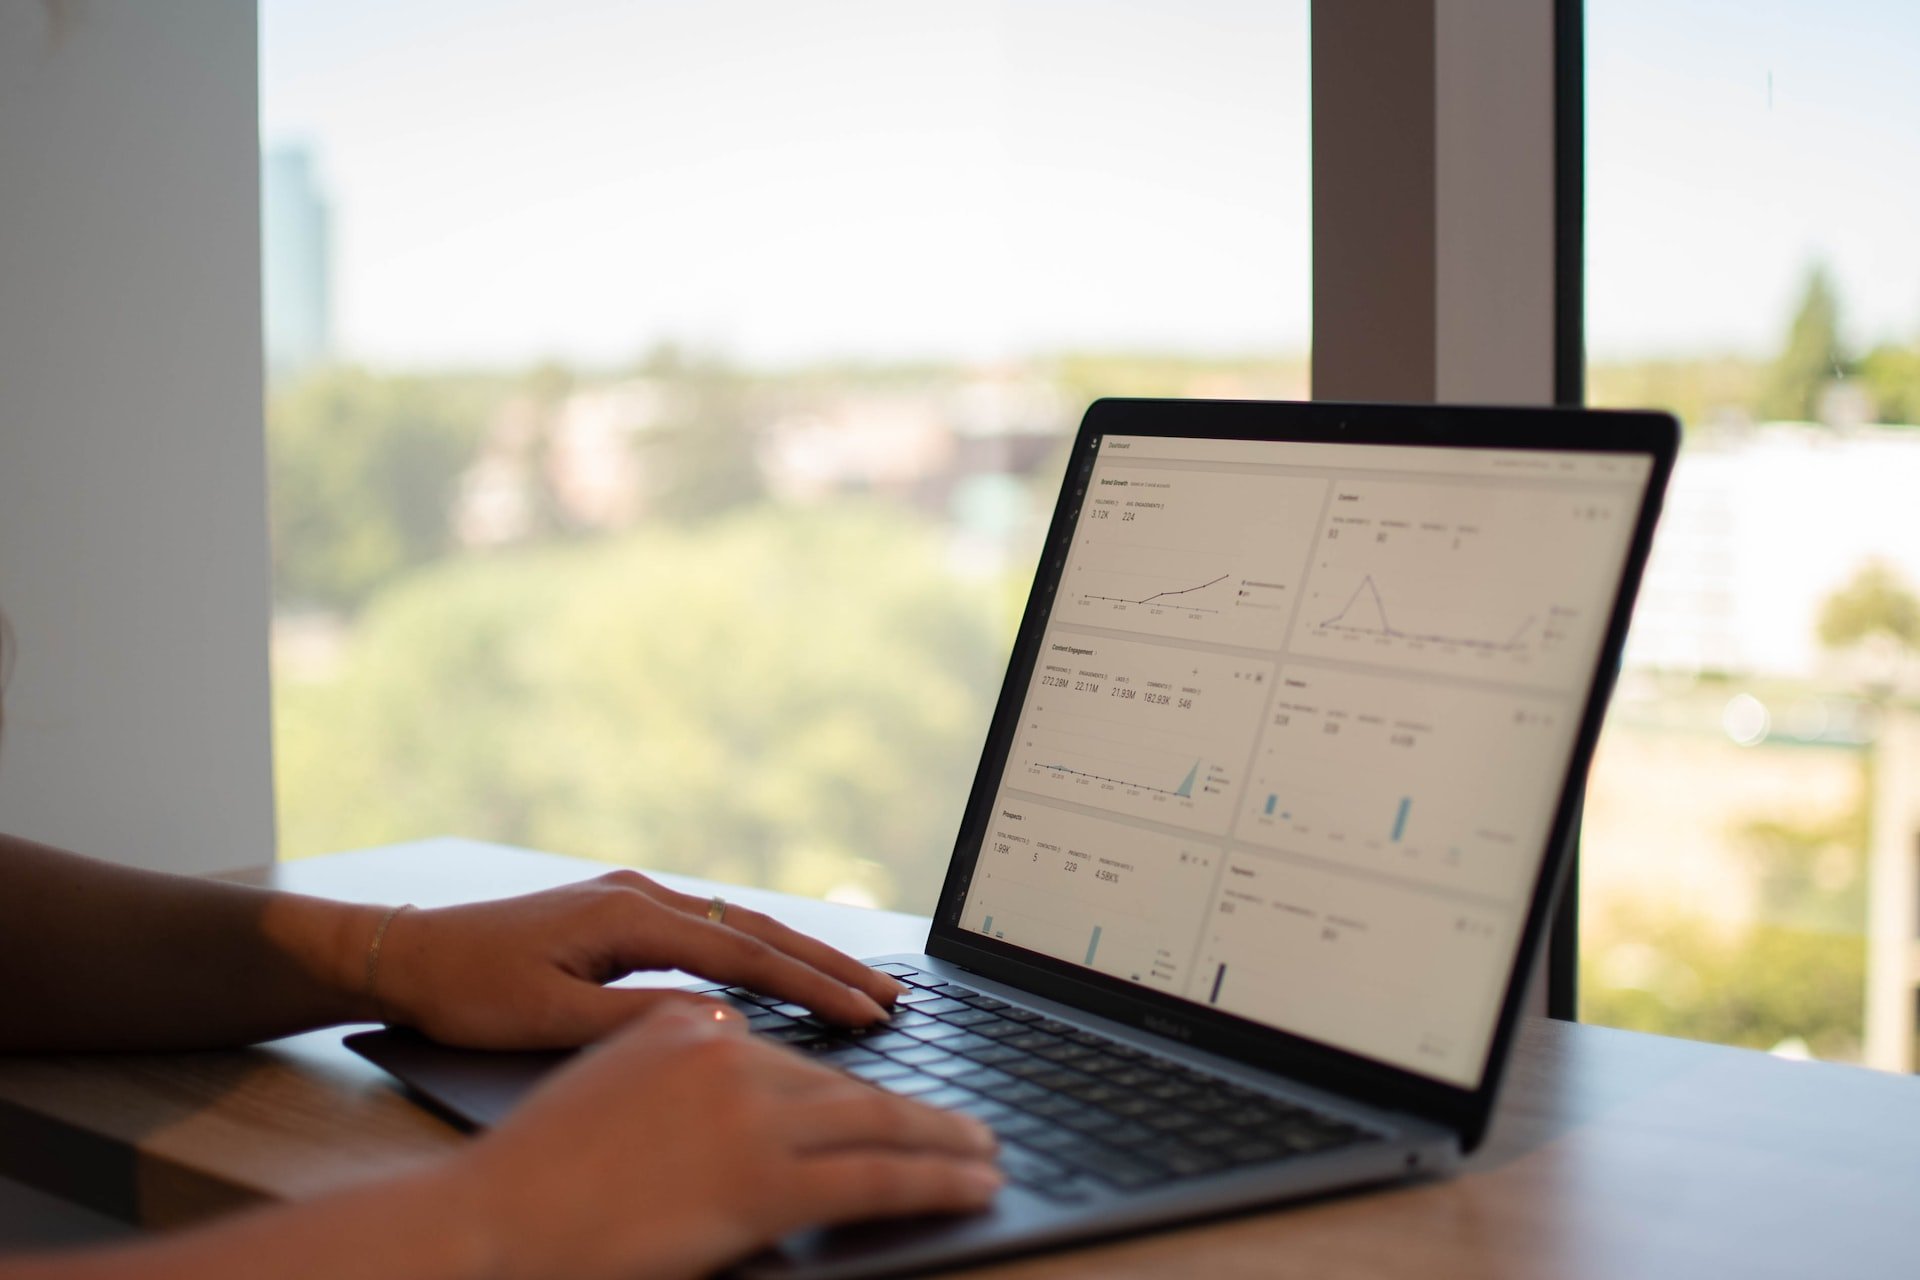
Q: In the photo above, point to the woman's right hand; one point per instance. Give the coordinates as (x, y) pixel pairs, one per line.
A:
(681, 1145)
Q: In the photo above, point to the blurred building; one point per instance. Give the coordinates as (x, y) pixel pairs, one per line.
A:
(296, 242)
(1759, 529)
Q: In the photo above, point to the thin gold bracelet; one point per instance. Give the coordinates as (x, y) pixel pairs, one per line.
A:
(373, 957)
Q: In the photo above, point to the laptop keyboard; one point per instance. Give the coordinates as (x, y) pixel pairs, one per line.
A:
(1074, 1110)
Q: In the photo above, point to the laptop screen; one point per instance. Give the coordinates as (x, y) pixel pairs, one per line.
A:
(1298, 725)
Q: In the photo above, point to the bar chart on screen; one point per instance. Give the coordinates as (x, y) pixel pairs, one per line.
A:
(1435, 783)
(1141, 730)
(1290, 945)
(1112, 897)
(1193, 555)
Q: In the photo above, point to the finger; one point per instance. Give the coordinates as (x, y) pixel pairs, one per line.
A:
(587, 1012)
(809, 950)
(849, 1187)
(721, 954)
(855, 1116)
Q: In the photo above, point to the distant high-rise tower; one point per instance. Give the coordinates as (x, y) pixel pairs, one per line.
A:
(297, 261)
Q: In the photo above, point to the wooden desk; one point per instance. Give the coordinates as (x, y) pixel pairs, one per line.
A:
(1614, 1155)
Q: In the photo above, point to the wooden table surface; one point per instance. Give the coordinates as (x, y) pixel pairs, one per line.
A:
(1614, 1154)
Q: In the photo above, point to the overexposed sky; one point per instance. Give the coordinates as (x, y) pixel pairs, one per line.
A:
(797, 179)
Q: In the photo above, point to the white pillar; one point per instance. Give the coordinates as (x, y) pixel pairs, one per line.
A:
(133, 555)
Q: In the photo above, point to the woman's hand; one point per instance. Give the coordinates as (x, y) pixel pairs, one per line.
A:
(530, 972)
(683, 1144)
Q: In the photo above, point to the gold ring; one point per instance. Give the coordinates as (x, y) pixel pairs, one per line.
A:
(717, 910)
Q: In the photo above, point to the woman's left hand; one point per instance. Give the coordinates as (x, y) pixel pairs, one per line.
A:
(530, 972)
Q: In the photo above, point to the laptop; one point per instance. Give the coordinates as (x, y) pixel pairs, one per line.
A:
(1269, 823)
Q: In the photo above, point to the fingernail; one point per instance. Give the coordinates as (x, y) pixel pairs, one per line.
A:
(875, 1011)
(983, 1139)
(898, 989)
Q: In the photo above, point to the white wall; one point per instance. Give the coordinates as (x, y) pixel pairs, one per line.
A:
(133, 558)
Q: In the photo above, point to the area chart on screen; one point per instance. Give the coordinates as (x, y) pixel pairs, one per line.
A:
(1142, 730)
(1496, 583)
(1193, 555)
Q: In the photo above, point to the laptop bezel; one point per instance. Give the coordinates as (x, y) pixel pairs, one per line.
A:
(1465, 1110)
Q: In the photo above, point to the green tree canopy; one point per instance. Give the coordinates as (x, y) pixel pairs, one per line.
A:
(1875, 601)
(1812, 357)
(794, 698)
(363, 469)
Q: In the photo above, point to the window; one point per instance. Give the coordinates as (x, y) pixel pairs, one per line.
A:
(1750, 832)
(660, 444)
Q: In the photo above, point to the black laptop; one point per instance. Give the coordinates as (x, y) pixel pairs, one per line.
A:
(1268, 826)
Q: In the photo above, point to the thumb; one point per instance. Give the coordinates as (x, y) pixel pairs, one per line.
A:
(595, 1013)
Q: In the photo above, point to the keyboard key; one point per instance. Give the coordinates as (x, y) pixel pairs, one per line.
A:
(989, 1112)
(991, 1054)
(1128, 1134)
(896, 969)
(987, 1002)
(1133, 1078)
(1093, 1091)
(1016, 1093)
(1251, 1152)
(1049, 1138)
(1028, 1168)
(920, 1055)
(1192, 1164)
(1050, 1104)
(1055, 1025)
(979, 1078)
(888, 1041)
(1017, 1124)
(919, 996)
(941, 1005)
(1026, 1067)
(935, 1031)
(996, 1030)
(949, 1067)
(964, 1044)
(955, 990)
(847, 1057)
(1031, 1040)
(875, 1072)
(951, 1096)
(911, 1085)
(966, 1017)
(1020, 1015)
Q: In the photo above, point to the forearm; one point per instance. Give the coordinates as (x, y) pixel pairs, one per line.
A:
(411, 1229)
(99, 956)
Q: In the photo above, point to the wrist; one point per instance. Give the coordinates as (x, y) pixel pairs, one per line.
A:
(328, 940)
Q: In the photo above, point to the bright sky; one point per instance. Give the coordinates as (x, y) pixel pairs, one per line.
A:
(515, 179)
